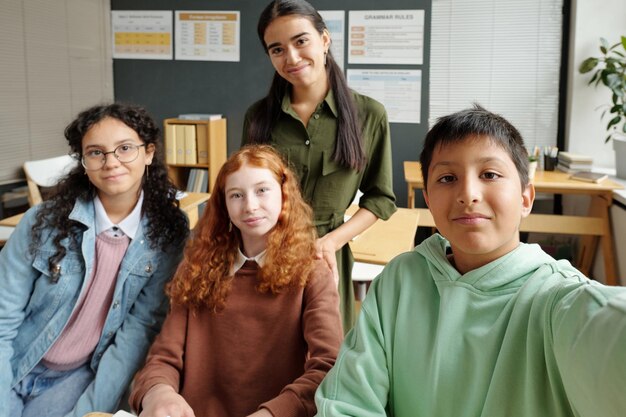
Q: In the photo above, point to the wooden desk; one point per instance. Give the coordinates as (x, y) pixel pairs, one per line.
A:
(595, 226)
(189, 204)
(12, 221)
(384, 240)
(6, 227)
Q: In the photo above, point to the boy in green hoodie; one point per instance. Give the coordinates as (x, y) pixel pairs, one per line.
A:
(473, 322)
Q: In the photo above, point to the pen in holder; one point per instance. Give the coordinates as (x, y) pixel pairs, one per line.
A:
(549, 162)
(550, 158)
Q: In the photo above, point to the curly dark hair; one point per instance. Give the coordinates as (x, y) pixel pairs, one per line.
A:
(167, 224)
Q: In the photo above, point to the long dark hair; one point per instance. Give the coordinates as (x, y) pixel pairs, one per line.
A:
(167, 225)
(349, 144)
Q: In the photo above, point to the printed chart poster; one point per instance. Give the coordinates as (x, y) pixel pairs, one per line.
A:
(336, 22)
(207, 35)
(386, 37)
(400, 91)
(141, 34)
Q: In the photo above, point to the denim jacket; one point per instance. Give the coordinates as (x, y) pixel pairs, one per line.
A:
(34, 310)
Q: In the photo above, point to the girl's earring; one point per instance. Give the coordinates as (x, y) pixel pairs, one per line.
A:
(230, 226)
(147, 171)
(325, 57)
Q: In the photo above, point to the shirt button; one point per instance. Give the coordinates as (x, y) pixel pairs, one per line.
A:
(109, 334)
(316, 116)
(307, 142)
(116, 304)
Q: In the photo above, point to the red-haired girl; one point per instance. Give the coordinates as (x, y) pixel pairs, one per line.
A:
(254, 324)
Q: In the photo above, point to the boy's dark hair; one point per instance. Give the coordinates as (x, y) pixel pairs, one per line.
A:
(476, 121)
(349, 150)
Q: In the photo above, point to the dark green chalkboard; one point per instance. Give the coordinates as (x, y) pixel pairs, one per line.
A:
(168, 88)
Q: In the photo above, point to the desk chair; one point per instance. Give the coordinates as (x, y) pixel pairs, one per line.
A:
(45, 173)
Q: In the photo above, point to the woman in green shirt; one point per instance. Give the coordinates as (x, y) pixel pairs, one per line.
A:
(334, 138)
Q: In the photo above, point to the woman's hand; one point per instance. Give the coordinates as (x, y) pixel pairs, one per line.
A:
(162, 401)
(325, 249)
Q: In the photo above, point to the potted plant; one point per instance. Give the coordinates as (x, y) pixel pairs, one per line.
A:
(610, 70)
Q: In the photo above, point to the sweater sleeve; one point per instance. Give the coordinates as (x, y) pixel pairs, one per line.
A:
(164, 363)
(589, 333)
(321, 324)
(358, 384)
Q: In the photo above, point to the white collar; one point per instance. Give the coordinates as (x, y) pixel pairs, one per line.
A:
(128, 226)
(241, 259)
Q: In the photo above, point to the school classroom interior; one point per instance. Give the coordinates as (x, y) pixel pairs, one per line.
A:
(516, 58)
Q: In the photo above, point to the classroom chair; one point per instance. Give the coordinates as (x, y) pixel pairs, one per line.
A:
(45, 173)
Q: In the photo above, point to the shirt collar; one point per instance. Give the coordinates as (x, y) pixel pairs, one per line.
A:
(241, 259)
(329, 100)
(129, 225)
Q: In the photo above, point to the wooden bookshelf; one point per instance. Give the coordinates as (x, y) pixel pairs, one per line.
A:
(210, 137)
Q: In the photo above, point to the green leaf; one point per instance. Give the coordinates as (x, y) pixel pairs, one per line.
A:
(624, 42)
(595, 77)
(613, 122)
(604, 44)
(587, 65)
(612, 81)
(608, 138)
(624, 127)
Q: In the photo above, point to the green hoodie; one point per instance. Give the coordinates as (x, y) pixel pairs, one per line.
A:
(524, 335)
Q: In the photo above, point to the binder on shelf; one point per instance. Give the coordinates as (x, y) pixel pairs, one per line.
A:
(191, 155)
(191, 180)
(180, 143)
(202, 143)
(170, 144)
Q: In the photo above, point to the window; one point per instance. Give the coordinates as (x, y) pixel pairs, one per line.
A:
(504, 55)
(56, 61)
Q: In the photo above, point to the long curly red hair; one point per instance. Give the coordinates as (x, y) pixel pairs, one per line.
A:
(204, 276)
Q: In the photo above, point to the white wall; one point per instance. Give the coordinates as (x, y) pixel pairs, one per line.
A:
(584, 130)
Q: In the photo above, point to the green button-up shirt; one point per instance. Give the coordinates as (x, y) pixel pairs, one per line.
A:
(328, 186)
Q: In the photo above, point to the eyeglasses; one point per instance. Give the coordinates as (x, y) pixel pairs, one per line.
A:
(95, 159)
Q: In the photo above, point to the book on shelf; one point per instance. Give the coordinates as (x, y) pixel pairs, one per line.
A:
(575, 158)
(202, 145)
(199, 116)
(191, 179)
(179, 135)
(170, 144)
(191, 155)
(588, 176)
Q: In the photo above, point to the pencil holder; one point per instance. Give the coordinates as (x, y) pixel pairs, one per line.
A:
(549, 162)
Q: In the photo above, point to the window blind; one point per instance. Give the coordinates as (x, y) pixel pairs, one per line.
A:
(504, 55)
(56, 61)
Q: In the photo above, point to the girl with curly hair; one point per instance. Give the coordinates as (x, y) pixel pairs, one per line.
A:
(254, 324)
(84, 272)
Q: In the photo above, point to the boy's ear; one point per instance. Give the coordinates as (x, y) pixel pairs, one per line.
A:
(528, 198)
(425, 194)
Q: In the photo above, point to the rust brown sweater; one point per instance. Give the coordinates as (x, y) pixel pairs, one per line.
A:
(261, 350)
